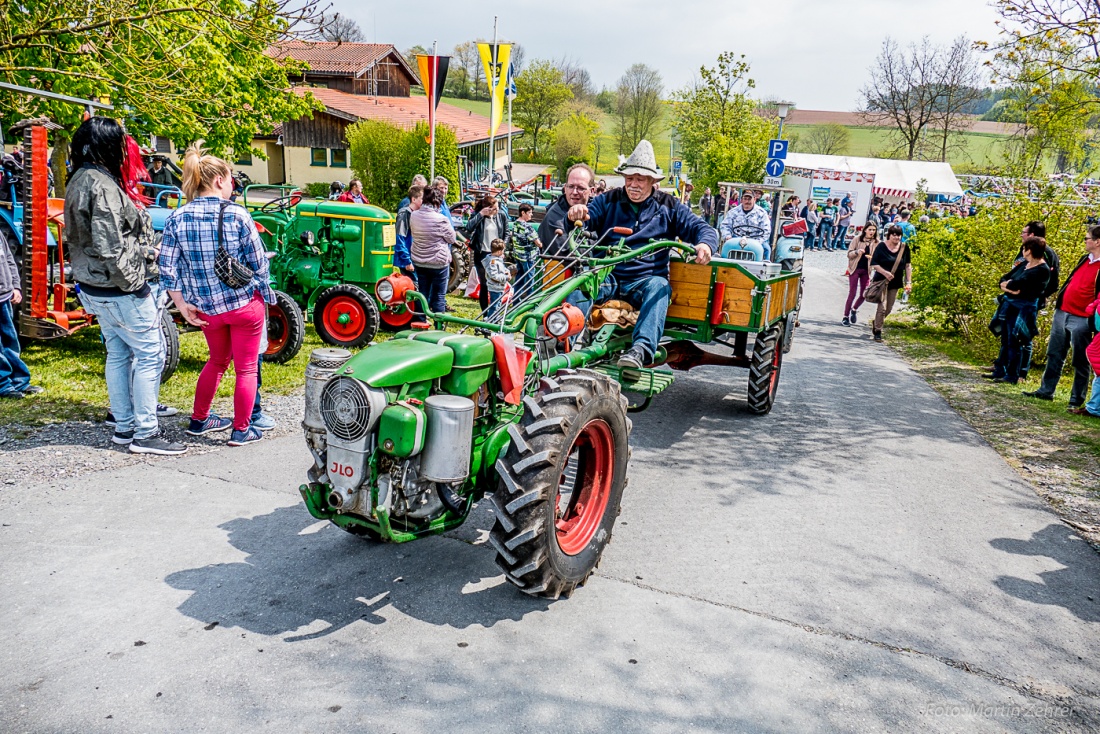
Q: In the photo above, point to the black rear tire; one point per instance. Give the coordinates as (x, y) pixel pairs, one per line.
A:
(171, 345)
(767, 361)
(561, 482)
(461, 262)
(286, 328)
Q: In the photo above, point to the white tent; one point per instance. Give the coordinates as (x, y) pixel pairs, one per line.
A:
(896, 179)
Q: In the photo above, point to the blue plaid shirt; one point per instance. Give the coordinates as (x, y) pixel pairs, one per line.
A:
(190, 244)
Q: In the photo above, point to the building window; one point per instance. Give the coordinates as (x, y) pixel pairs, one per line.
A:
(318, 156)
(244, 160)
(339, 158)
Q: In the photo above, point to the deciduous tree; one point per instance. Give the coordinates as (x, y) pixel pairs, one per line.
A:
(721, 135)
(639, 108)
(184, 70)
(342, 29)
(573, 140)
(831, 139)
(541, 97)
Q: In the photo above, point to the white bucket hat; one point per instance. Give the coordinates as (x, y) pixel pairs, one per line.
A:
(642, 162)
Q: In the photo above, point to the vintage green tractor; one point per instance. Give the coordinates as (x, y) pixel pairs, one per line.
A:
(408, 434)
(326, 257)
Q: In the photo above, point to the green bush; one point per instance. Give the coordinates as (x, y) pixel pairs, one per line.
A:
(958, 263)
(317, 190)
(385, 158)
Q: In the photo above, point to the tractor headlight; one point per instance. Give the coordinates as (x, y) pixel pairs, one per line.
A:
(308, 238)
(557, 324)
(384, 290)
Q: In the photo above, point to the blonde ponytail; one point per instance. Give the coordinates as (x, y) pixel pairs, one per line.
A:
(200, 170)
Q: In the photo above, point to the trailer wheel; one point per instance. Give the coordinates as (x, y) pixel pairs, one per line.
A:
(561, 482)
(767, 360)
(286, 328)
(461, 262)
(345, 316)
(171, 345)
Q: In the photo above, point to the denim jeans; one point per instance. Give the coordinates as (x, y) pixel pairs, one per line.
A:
(1018, 331)
(1093, 405)
(808, 240)
(494, 303)
(526, 284)
(14, 374)
(1068, 331)
(650, 295)
(433, 284)
(135, 358)
(841, 231)
(825, 237)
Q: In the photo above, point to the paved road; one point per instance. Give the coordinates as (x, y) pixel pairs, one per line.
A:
(859, 560)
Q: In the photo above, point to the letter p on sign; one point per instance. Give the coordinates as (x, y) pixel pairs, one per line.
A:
(777, 149)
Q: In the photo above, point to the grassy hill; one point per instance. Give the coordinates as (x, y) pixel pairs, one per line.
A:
(980, 150)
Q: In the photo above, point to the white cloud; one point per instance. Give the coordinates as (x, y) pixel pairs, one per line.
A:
(813, 52)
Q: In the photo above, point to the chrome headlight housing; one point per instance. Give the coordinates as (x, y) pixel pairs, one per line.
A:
(384, 290)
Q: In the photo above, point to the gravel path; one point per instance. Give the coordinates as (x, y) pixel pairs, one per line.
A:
(31, 456)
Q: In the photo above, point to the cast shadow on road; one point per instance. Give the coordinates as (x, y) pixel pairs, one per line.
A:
(1072, 587)
(291, 581)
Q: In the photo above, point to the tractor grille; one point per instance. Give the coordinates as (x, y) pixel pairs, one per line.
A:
(345, 408)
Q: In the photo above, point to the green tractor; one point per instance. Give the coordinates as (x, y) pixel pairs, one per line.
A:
(409, 434)
(326, 257)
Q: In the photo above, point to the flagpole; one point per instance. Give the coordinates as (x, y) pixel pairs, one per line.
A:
(510, 161)
(431, 107)
(492, 104)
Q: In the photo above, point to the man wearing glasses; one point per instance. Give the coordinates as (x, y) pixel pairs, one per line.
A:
(1072, 327)
(578, 190)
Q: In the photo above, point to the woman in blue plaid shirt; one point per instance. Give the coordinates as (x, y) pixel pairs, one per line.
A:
(231, 319)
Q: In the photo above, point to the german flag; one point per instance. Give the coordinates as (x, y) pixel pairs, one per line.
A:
(433, 76)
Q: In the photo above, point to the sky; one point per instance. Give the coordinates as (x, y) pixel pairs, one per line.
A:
(814, 53)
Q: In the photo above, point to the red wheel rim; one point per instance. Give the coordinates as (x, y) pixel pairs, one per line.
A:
(396, 318)
(580, 512)
(345, 318)
(278, 330)
(775, 366)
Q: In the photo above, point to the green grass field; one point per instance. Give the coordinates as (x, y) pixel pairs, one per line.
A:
(981, 149)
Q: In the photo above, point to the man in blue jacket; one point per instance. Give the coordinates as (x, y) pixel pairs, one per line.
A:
(652, 215)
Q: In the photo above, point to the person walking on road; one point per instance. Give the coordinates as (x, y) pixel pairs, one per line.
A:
(885, 266)
(203, 240)
(107, 240)
(1071, 327)
(859, 264)
(706, 206)
(844, 220)
(1023, 287)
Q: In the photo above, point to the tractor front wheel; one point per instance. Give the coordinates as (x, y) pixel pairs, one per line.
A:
(171, 345)
(345, 316)
(461, 262)
(561, 482)
(767, 360)
(286, 328)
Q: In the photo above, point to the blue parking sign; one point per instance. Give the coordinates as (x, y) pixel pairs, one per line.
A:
(777, 149)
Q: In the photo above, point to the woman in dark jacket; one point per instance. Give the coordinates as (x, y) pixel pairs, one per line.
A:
(489, 222)
(107, 240)
(1023, 287)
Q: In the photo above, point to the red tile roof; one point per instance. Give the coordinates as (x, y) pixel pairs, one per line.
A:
(340, 59)
(469, 127)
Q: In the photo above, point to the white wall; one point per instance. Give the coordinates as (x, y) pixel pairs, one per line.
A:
(299, 171)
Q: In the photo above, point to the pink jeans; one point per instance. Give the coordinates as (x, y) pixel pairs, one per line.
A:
(857, 283)
(231, 336)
